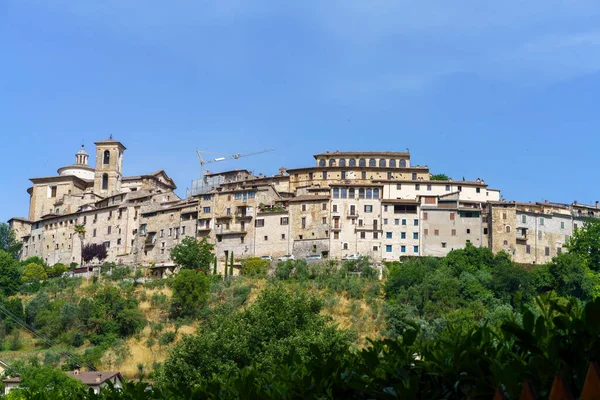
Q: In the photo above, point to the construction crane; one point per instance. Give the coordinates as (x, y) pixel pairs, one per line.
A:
(224, 157)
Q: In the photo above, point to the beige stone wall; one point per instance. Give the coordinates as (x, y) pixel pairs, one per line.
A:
(310, 220)
(446, 229)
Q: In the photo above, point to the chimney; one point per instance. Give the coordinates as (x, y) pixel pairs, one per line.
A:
(575, 202)
(99, 378)
(596, 203)
(546, 201)
(76, 371)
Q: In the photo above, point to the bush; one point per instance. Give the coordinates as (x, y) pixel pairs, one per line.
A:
(190, 293)
(254, 266)
(166, 338)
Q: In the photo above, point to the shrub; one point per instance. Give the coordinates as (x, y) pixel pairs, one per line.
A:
(254, 266)
(166, 338)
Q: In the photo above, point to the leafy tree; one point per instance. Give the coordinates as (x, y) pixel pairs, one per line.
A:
(191, 254)
(10, 275)
(34, 260)
(572, 277)
(49, 380)
(34, 273)
(56, 270)
(586, 242)
(93, 250)
(190, 292)
(439, 177)
(9, 242)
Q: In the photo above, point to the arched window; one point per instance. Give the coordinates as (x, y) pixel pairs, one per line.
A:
(351, 193)
(345, 246)
(392, 163)
(369, 193)
(372, 162)
(322, 162)
(106, 157)
(362, 162)
(344, 193)
(342, 162)
(376, 193)
(332, 163)
(352, 162)
(507, 228)
(382, 163)
(104, 181)
(506, 242)
(361, 193)
(402, 163)
(336, 193)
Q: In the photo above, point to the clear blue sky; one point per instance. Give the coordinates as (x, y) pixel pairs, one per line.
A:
(508, 91)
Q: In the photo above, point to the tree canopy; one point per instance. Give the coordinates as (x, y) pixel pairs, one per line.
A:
(439, 177)
(585, 242)
(193, 254)
(10, 275)
(9, 242)
(34, 273)
(190, 292)
(93, 250)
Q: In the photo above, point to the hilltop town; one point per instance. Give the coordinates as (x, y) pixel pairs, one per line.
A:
(374, 204)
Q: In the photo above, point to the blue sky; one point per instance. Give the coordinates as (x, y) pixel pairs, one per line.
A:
(506, 91)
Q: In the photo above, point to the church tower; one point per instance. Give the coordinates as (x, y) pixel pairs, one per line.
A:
(109, 167)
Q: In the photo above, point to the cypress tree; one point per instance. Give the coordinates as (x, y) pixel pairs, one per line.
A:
(231, 265)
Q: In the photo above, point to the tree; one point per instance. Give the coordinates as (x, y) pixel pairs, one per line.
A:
(9, 242)
(231, 265)
(80, 231)
(586, 242)
(191, 254)
(10, 276)
(254, 266)
(50, 380)
(34, 273)
(93, 250)
(190, 292)
(439, 177)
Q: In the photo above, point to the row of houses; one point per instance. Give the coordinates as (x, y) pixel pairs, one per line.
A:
(375, 204)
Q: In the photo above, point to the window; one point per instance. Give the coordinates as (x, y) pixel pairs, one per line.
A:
(404, 222)
(447, 188)
(375, 235)
(547, 251)
(390, 176)
(416, 249)
(505, 242)
(429, 187)
(183, 230)
(206, 210)
(369, 194)
(402, 249)
(376, 193)
(468, 231)
(336, 235)
(396, 221)
(108, 231)
(524, 219)
(266, 238)
(453, 232)
(562, 225)
(363, 175)
(443, 245)
(541, 221)
(507, 228)
(351, 193)
(303, 207)
(259, 223)
(539, 235)
(425, 216)
(107, 244)
(332, 163)
(425, 231)
(368, 208)
(460, 188)
(388, 235)
(52, 191)
(388, 248)
(322, 163)
(324, 174)
(392, 163)
(361, 193)
(398, 186)
(324, 220)
(372, 162)
(452, 216)
(283, 221)
(436, 232)
(106, 159)
(310, 176)
(94, 232)
(342, 162)
(414, 176)
(343, 175)
(416, 222)
(336, 193)
(385, 221)
(417, 186)
(559, 250)
(362, 162)
(227, 211)
(104, 181)
(362, 235)
(477, 190)
(415, 235)
(402, 235)
(528, 249)
(303, 222)
(324, 207)
(485, 231)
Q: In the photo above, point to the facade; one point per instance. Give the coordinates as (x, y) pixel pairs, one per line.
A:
(376, 204)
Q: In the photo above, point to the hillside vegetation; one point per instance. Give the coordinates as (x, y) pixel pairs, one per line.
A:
(461, 325)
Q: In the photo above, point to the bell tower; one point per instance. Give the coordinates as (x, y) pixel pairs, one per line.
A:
(109, 167)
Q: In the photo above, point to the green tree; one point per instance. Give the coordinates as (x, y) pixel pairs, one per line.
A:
(190, 292)
(439, 177)
(9, 242)
(10, 275)
(572, 277)
(50, 380)
(193, 254)
(586, 242)
(231, 265)
(34, 273)
(254, 266)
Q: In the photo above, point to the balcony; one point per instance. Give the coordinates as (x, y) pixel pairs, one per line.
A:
(229, 232)
(224, 217)
(352, 214)
(521, 234)
(336, 227)
(150, 240)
